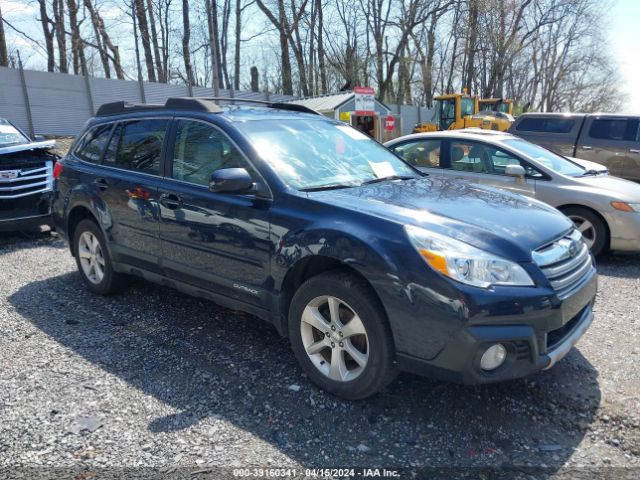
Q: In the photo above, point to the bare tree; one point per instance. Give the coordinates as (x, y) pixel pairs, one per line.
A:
(4, 54)
(58, 17)
(186, 37)
(48, 32)
(143, 26)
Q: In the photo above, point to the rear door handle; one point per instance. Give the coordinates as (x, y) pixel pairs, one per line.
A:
(101, 183)
(170, 201)
(634, 150)
(586, 147)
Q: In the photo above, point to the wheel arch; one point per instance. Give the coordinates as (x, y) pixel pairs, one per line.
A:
(306, 268)
(75, 216)
(592, 210)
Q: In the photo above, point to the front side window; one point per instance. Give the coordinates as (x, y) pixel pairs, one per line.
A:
(138, 146)
(10, 135)
(500, 159)
(420, 153)
(92, 144)
(614, 129)
(310, 153)
(546, 157)
(201, 149)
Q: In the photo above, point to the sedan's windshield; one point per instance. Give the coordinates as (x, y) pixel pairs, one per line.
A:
(547, 158)
(10, 135)
(314, 154)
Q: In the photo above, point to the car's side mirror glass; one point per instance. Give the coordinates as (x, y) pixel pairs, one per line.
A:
(517, 171)
(230, 180)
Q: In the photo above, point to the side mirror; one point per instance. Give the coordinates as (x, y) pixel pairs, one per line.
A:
(230, 180)
(39, 138)
(517, 171)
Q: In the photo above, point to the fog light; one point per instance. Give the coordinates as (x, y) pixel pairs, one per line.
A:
(493, 357)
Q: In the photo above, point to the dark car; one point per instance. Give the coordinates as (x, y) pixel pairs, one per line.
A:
(612, 140)
(26, 179)
(368, 265)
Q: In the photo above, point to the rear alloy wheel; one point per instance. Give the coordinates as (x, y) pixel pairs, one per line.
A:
(93, 260)
(591, 226)
(340, 335)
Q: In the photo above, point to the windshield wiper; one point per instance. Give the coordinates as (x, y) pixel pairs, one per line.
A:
(390, 177)
(328, 186)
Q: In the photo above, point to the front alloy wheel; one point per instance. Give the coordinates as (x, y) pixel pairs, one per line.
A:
(340, 335)
(334, 338)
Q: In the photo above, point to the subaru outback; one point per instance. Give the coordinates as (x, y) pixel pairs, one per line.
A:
(367, 265)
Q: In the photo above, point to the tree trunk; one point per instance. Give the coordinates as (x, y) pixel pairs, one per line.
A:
(154, 42)
(4, 54)
(58, 17)
(321, 55)
(104, 41)
(255, 79)
(471, 44)
(212, 22)
(48, 35)
(236, 59)
(186, 36)
(144, 37)
(76, 41)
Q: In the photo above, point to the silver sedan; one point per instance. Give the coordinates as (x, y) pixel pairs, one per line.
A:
(604, 208)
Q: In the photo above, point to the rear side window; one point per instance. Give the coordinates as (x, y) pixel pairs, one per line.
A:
(91, 145)
(546, 125)
(137, 146)
(420, 153)
(614, 129)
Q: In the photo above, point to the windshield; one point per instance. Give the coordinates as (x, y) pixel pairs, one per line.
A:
(310, 154)
(547, 158)
(10, 135)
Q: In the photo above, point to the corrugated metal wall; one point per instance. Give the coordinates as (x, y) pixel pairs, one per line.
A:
(60, 103)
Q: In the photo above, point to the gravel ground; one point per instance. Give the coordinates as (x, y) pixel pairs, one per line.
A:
(153, 378)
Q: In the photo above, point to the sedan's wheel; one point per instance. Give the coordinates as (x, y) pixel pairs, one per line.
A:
(93, 259)
(591, 226)
(340, 335)
(334, 338)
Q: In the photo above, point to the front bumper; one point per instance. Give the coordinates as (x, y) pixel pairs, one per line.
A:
(624, 228)
(530, 348)
(26, 212)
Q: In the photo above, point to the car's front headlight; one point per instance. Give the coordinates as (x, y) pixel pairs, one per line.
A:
(465, 263)
(626, 207)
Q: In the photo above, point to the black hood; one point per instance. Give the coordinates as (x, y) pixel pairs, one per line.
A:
(492, 219)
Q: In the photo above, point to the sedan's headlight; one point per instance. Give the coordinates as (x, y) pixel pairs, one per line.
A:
(465, 263)
(626, 207)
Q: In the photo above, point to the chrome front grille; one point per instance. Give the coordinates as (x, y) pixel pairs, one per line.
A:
(21, 180)
(564, 262)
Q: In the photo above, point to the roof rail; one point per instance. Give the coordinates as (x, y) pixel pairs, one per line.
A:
(278, 105)
(173, 103)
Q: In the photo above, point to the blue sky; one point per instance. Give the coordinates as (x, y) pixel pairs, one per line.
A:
(624, 29)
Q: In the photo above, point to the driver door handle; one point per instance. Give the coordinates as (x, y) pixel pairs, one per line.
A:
(170, 201)
(101, 183)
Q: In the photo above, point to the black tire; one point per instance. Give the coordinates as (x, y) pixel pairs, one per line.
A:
(111, 282)
(599, 234)
(356, 296)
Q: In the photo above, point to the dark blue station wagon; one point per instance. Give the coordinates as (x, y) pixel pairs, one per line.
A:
(367, 265)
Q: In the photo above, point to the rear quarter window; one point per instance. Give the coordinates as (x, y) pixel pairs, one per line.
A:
(92, 143)
(545, 125)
